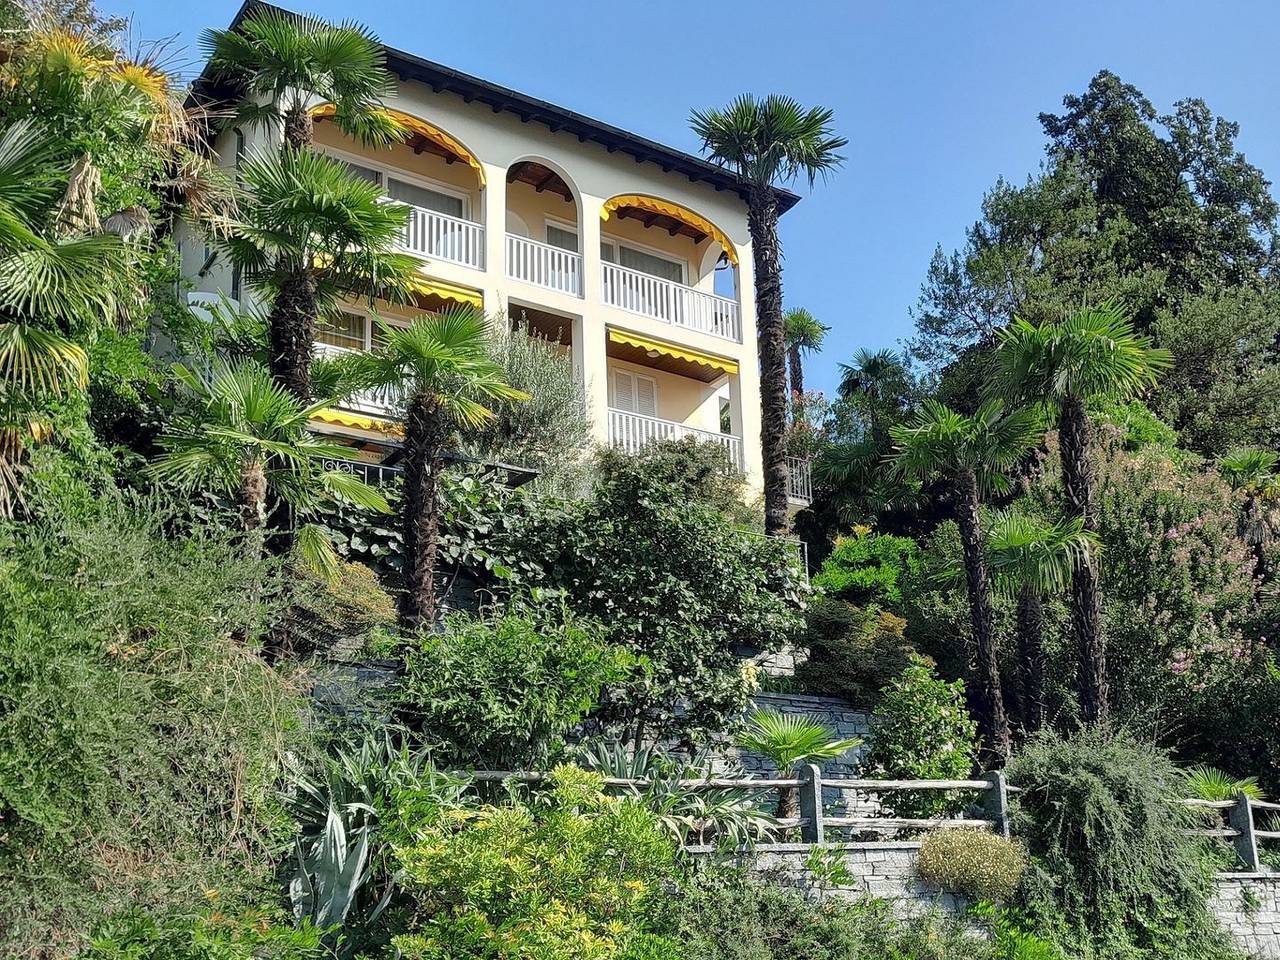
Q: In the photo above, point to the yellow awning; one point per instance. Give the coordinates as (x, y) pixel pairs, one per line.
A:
(680, 353)
(676, 212)
(448, 291)
(421, 127)
(341, 418)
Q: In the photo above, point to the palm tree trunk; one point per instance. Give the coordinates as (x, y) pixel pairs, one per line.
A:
(421, 517)
(252, 498)
(788, 802)
(797, 371)
(993, 720)
(292, 325)
(1086, 618)
(299, 126)
(762, 221)
(1031, 658)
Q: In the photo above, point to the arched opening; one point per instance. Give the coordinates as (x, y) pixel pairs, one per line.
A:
(432, 173)
(544, 232)
(662, 260)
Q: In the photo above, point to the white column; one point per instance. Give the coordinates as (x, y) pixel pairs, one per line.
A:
(591, 365)
(494, 217)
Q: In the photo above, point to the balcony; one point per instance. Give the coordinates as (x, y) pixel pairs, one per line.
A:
(438, 236)
(632, 432)
(799, 480)
(544, 265)
(670, 302)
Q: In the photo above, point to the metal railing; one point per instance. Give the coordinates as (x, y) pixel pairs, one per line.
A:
(799, 480)
(439, 236)
(670, 302)
(544, 265)
(373, 473)
(633, 432)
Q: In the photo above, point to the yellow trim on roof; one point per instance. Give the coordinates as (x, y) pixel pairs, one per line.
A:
(420, 126)
(341, 418)
(448, 291)
(680, 353)
(675, 211)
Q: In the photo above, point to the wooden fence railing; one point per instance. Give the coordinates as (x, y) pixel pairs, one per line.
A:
(1239, 825)
(813, 822)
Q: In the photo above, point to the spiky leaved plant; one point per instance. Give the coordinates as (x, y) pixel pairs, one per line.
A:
(789, 739)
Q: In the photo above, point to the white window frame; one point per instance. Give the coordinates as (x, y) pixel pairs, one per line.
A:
(363, 311)
(568, 226)
(616, 242)
(613, 394)
(416, 179)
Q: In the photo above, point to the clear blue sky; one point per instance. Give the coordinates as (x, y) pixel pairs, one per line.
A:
(938, 98)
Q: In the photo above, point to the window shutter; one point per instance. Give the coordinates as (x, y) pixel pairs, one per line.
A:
(646, 397)
(425, 199)
(564, 239)
(624, 391)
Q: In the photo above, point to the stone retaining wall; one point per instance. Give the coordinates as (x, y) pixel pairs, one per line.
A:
(1246, 904)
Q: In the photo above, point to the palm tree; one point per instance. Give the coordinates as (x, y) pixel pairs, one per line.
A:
(440, 370)
(789, 739)
(767, 142)
(1030, 558)
(804, 334)
(1063, 365)
(1254, 473)
(247, 437)
(284, 61)
(879, 383)
(971, 453)
(311, 232)
(51, 288)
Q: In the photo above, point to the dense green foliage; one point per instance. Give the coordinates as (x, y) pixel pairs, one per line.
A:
(575, 876)
(852, 652)
(869, 569)
(502, 691)
(924, 733)
(141, 736)
(672, 583)
(1111, 873)
(725, 916)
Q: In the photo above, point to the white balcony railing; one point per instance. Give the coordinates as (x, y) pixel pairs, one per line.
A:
(634, 431)
(544, 265)
(438, 236)
(378, 403)
(799, 480)
(670, 302)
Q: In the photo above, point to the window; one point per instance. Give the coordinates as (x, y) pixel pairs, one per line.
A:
(664, 268)
(345, 330)
(363, 172)
(566, 238)
(426, 199)
(635, 393)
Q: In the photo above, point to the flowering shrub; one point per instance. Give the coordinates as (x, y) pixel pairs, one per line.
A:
(977, 864)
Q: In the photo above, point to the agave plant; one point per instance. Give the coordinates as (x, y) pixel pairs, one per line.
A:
(789, 739)
(1210, 783)
(689, 813)
(341, 874)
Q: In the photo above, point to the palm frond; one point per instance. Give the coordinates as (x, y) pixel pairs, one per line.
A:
(1212, 784)
(37, 361)
(314, 546)
(790, 738)
(1025, 551)
(769, 141)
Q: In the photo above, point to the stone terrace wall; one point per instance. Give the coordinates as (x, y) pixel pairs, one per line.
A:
(1246, 904)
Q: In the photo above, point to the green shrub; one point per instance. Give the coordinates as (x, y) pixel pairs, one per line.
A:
(1111, 874)
(698, 470)
(500, 692)
(726, 915)
(576, 876)
(977, 864)
(924, 733)
(674, 583)
(332, 617)
(213, 934)
(141, 736)
(852, 651)
(869, 568)
(1230, 718)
